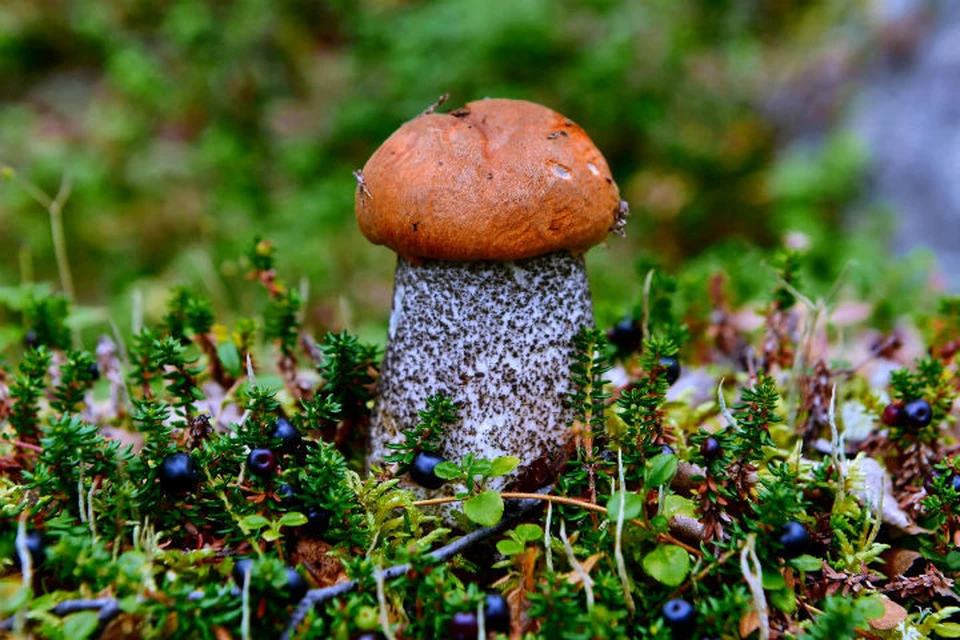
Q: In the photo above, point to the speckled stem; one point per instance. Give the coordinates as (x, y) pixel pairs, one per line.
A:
(497, 337)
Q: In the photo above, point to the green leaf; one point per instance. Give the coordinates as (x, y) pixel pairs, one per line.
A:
(230, 358)
(484, 508)
(667, 564)
(481, 468)
(528, 532)
(784, 599)
(807, 563)
(660, 470)
(947, 629)
(503, 465)
(78, 626)
(632, 506)
(447, 471)
(773, 580)
(13, 595)
(871, 607)
(674, 505)
(253, 521)
(953, 560)
(129, 604)
(293, 519)
(270, 535)
(509, 547)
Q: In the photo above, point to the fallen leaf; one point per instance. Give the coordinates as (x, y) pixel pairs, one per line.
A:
(893, 614)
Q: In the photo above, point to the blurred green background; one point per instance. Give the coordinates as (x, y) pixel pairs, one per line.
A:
(187, 127)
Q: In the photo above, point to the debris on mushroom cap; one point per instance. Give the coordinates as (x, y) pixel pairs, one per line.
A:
(495, 180)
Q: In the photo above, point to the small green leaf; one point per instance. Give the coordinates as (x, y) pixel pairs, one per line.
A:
(632, 506)
(528, 532)
(13, 595)
(78, 626)
(947, 629)
(293, 519)
(667, 564)
(447, 471)
(509, 547)
(253, 521)
(871, 607)
(660, 470)
(230, 358)
(773, 580)
(481, 468)
(270, 535)
(953, 560)
(484, 508)
(806, 563)
(129, 604)
(674, 505)
(784, 599)
(503, 465)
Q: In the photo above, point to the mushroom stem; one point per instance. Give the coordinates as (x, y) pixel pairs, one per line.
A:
(497, 338)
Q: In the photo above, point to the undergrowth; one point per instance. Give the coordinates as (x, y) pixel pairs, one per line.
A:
(779, 487)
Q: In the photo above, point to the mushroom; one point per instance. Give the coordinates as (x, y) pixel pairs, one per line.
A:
(490, 209)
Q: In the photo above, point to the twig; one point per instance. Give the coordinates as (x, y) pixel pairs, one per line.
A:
(107, 608)
(513, 495)
(315, 597)
(572, 559)
(753, 574)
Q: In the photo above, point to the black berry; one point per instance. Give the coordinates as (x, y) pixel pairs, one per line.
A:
(287, 434)
(422, 470)
(496, 613)
(296, 585)
(892, 415)
(262, 462)
(36, 547)
(667, 449)
(625, 336)
(671, 367)
(463, 626)
(178, 474)
(917, 413)
(30, 339)
(318, 520)
(287, 495)
(710, 448)
(794, 538)
(368, 635)
(955, 481)
(679, 616)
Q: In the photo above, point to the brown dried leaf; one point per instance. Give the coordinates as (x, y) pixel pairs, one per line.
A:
(893, 614)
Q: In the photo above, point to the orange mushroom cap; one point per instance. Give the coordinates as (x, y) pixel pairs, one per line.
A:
(495, 180)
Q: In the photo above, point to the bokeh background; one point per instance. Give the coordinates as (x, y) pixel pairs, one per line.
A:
(733, 127)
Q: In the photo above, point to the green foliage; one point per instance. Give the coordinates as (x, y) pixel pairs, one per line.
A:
(26, 389)
(77, 374)
(483, 506)
(588, 397)
(187, 311)
(841, 616)
(179, 372)
(755, 413)
(46, 317)
(346, 370)
(641, 407)
(327, 483)
(282, 320)
(787, 264)
(440, 414)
